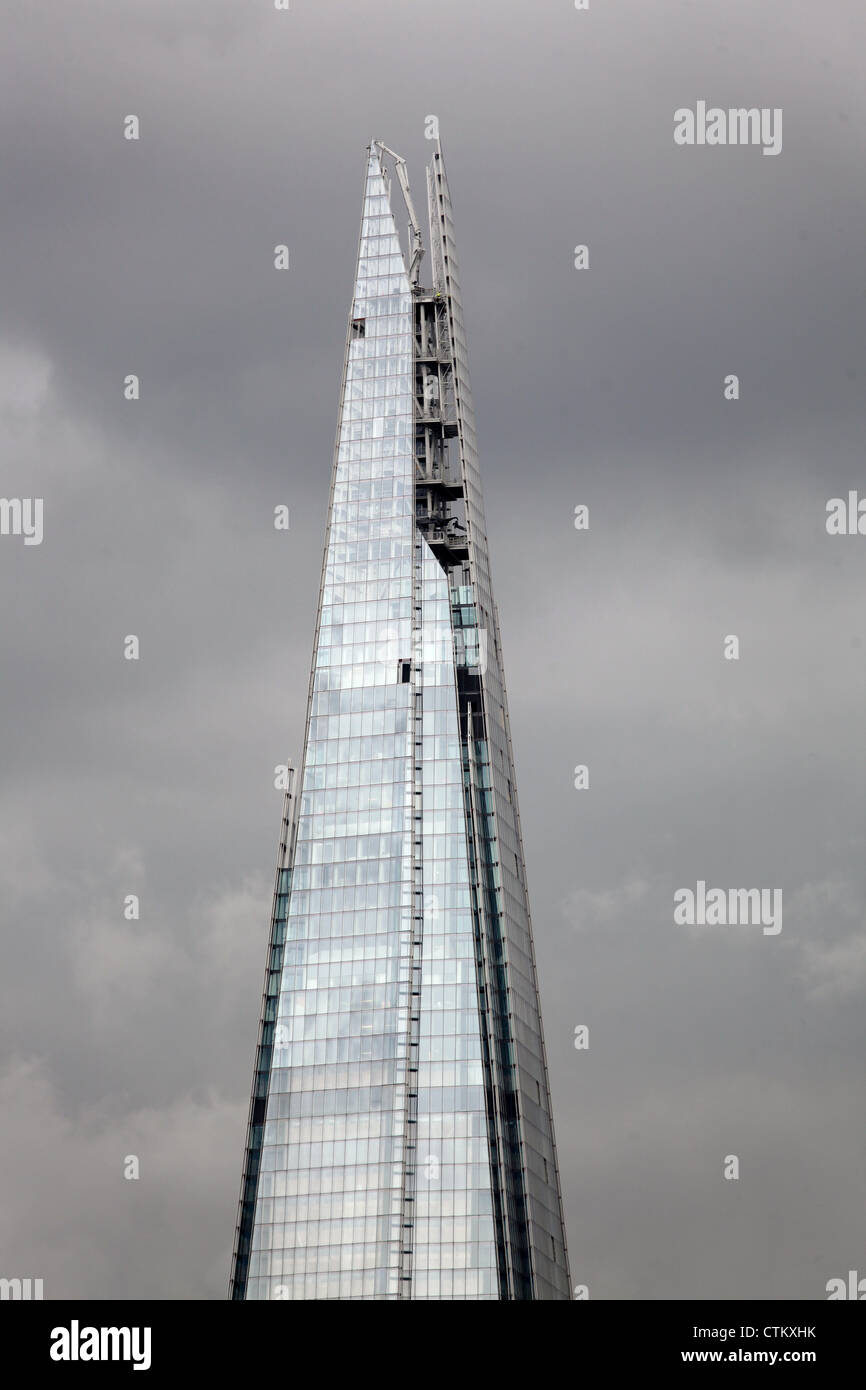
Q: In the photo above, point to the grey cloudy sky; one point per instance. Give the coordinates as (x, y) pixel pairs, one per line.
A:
(601, 386)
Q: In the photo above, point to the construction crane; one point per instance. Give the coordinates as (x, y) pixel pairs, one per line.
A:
(417, 242)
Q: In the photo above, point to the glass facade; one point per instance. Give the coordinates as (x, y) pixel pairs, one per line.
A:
(400, 1143)
(330, 1192)
(454, 1253)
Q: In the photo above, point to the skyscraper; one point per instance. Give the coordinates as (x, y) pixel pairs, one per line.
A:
(400, 1141)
